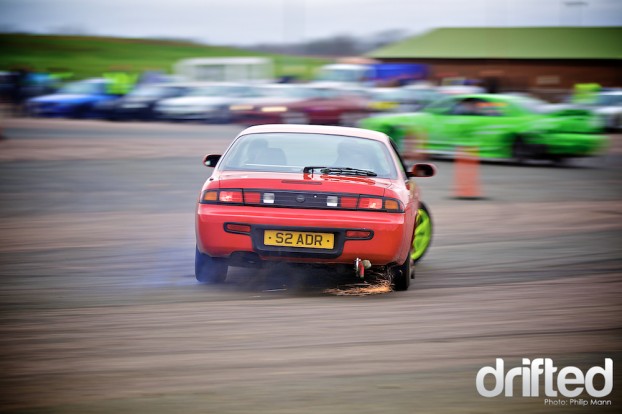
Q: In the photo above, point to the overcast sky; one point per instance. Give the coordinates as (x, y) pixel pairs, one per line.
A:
(246, 22)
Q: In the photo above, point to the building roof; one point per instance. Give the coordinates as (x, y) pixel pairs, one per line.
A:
(509, 43)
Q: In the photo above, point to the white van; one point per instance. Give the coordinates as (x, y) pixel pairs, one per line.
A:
(236, 69)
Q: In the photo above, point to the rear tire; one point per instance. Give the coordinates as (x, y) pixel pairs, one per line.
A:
(401, 275)
(209, 269)
(520, 151)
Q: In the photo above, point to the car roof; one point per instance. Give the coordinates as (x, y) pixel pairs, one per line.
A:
(317, 129)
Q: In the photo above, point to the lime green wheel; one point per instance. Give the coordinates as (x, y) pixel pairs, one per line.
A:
(423, 233)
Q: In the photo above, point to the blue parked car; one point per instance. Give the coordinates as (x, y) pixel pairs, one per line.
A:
(141, 101)
(74, 100)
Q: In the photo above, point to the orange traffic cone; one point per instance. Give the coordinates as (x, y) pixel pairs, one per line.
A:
(466, 174)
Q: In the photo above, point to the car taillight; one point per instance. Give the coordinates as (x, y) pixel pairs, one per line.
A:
(380, 203)
(268, 198)
(392, 205)
(332, 201)
(252, 197)
(235, 196)
(370, 203)
(231, 196)
(349, 202)
(209, 196)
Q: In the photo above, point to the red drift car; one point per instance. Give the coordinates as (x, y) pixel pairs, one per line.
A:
(325, 195)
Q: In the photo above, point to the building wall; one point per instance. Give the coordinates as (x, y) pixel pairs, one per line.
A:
(549, 79)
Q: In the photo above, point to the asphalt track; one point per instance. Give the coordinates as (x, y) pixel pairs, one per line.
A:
(100, 311)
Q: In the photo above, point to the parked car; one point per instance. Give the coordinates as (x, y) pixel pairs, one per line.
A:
(322, 195)
(372, 74)
(208, 102)
(608, 106)
(76, 100)
(496, 126)
(140, 102)
(268, 97)
(403, 99)
(306, 104)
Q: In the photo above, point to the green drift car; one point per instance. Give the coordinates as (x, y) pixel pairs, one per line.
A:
(496, 127)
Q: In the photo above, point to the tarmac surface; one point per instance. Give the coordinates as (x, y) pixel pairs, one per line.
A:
(100, 311)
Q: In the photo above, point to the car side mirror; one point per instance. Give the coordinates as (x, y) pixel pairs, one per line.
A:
(422, 170)
(210, 160)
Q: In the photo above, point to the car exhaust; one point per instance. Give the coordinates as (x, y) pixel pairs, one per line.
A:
(360, 266)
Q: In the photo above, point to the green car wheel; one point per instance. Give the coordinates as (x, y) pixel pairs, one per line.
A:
(423, 233)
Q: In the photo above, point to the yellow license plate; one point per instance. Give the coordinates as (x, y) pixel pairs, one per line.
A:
(299, 239)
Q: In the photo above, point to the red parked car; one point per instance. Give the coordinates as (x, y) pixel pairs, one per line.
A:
(325, 195)
(304, 104)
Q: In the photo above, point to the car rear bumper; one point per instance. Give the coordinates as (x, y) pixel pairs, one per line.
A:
(389, 241)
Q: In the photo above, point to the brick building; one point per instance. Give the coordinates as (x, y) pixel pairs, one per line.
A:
(546, 61)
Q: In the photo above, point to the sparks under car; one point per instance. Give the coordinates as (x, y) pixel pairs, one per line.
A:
(321, 195)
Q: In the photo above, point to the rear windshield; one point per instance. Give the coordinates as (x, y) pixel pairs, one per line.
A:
(291, 152)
